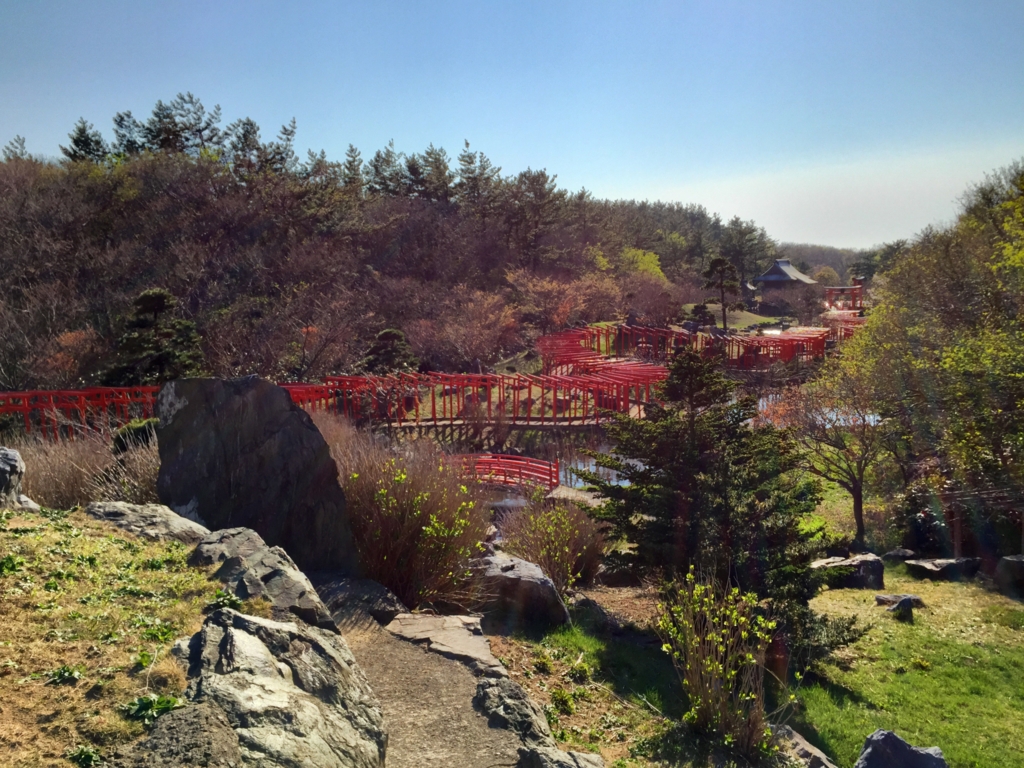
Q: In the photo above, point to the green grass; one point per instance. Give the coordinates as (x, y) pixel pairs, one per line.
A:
(954, 678)
(738, 320)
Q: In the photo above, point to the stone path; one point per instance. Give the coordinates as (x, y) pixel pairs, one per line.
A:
(427, 702)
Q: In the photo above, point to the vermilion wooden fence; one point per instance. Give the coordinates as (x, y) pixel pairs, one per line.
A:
(580, 383)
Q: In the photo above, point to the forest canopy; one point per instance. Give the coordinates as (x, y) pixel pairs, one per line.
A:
(289, 267)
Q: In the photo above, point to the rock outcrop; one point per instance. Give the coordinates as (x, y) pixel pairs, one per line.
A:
(195, 735)
(899, 555)
(250, 569)
(148, 521)
(508, 706)
(858, 572)
(1009, 575)
(239, 452)
(516, 592)
(796, 746)
(349, 599)
(12, 470)
(455, 637)
(945, 569)
(891, 600)
(884, 749)
(293, 694)
(12, 473)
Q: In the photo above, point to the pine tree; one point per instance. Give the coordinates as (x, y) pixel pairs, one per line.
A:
(155, 346)
(706, 488)
(86, 144)
(721, 276)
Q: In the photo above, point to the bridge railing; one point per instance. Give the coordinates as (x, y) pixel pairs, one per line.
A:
(503, 469)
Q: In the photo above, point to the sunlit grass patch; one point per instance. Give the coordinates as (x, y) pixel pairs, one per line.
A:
(953, 678)
(87, 618)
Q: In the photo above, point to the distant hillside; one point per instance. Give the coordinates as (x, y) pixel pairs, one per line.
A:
(840, 259)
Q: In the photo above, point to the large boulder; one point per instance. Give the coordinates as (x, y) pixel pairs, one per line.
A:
(1010, 575)
(516, 592)
(350, 600)
(194, 735)
(293, 694)
(239, 452)
(12, 470)
(944, 569)
(884, 749)
(858, 572)
(250, 569)
(149, 521)
(899, 555)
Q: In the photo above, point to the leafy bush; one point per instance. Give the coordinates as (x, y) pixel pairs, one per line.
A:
(136, 433)
(718, 641)
(84, 756)
(148, 708)
(415, 521)
(563, 540)
(64, 675)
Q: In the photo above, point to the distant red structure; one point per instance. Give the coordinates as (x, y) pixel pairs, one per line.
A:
(845, 297)
(587, 373)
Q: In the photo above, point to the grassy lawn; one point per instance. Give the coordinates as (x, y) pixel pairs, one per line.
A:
(954, 678)
(738, 320)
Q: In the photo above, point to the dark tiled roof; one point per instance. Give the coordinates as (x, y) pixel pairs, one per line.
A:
(783, 272)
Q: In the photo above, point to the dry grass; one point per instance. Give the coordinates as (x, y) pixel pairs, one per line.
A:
(74, 594)
(66, 473)
(415, 520)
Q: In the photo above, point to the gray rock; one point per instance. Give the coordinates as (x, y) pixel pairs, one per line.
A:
(225, 544)
(944, 569)
(149, 521)
(1010, 575)
(516, 592)
(195, 735)
(889, 600)
(251, 569)
(549, 757)
(12, 471)
(798, 747)
(903, 610)
(884, 749)
(239, 452)
(899, 555)
(293, 694)
(347, 599)
(507, 705)
(26, 503)
(459, 638)
(858, 572)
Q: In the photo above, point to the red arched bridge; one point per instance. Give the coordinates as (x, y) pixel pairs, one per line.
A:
(503, 469)
(587, 374)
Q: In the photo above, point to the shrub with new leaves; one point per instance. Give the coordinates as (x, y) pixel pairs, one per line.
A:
(717, 641)
(562, 539)
(415, 521)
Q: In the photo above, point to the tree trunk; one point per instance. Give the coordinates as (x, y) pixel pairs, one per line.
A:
(725, 323)
(858, 510)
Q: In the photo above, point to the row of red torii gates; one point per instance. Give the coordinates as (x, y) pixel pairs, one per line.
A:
(587, 374)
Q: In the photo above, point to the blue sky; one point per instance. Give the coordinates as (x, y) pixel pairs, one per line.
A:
(844, 123)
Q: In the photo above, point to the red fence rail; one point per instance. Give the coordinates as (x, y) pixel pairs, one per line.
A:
(587, 373)
(503, 469)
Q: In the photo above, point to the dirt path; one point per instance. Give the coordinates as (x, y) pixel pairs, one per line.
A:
(428, 706)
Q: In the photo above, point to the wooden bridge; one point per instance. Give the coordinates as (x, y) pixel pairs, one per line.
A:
(587, 375)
